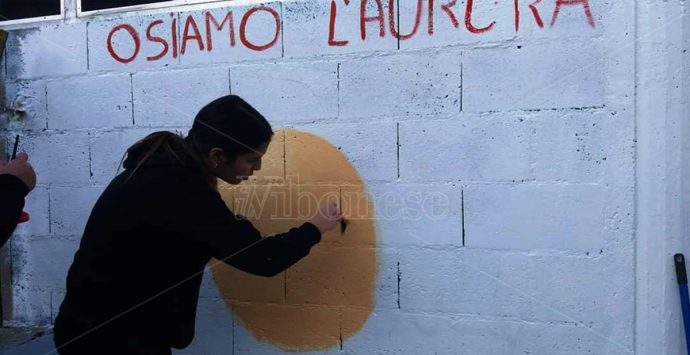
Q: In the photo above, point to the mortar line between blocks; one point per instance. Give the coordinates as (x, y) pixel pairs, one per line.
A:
(338, 89)
(90, 163)
(88, 63)
(462, 84)
(45, 89)
(399, 277)
(532, 146)
(50, 215)
(282, 31)
(131, 95)
(462, 213)
(636, 176)
(397, 126)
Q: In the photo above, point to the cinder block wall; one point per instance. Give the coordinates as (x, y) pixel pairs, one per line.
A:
(520, 117)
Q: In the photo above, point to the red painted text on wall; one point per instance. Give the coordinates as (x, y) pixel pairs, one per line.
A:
(199, 33)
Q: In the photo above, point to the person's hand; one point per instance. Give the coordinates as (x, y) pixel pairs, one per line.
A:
(20, 168)
(327, 218)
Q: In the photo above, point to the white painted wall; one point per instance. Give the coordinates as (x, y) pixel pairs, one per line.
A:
(561, 150)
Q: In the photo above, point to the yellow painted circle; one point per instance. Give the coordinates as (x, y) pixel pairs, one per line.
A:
(326, 297)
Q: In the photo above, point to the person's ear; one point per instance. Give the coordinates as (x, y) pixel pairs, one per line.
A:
(216, 156)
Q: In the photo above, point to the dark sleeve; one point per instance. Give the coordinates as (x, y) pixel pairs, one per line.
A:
(235, 241)
(12, 193)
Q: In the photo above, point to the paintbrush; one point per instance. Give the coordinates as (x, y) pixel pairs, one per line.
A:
(343, 222)
(14, 150)
(343, 225)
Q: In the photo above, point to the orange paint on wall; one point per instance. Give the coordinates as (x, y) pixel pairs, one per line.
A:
(328, 296)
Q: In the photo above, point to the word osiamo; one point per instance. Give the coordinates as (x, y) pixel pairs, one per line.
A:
(192, 34)
(448, 9)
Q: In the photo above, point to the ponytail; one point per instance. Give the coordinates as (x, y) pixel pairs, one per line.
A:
(171, 143)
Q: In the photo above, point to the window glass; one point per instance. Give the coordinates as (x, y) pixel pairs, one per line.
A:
(91, 5)
(24, 9)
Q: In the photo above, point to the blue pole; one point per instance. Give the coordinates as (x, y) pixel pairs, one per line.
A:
(682, 279)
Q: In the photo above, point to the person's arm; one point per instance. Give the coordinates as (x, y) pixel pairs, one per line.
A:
(12, 193)
(224, 235)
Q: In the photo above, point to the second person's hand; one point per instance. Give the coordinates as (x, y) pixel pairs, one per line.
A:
(20, 168)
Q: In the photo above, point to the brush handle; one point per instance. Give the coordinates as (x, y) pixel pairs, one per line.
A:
(682, 277)
(14, 150)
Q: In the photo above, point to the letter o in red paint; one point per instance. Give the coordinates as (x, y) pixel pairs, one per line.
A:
(243, 28)
(135, 36)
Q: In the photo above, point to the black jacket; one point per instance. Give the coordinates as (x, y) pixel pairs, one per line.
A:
(139, 265)
(12, 193)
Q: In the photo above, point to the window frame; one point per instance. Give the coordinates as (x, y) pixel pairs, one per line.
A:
(118, 10)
